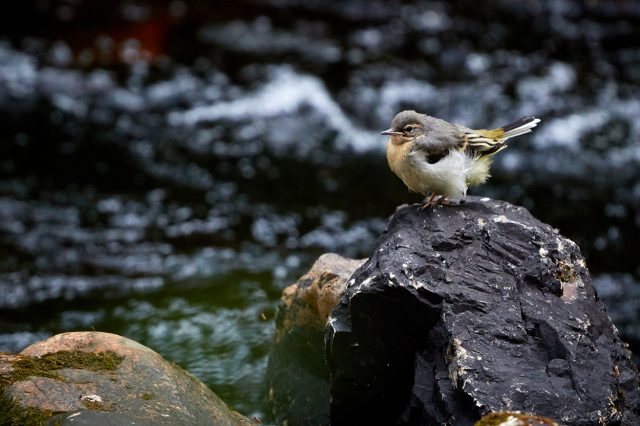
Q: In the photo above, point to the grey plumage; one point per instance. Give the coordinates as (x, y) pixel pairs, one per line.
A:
(434, 137)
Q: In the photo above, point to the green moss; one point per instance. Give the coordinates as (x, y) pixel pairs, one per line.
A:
(498, 418)
(95, 405)
(493, 419)
(13, 414)
(147, 396)
(565, 272)
(46, 365)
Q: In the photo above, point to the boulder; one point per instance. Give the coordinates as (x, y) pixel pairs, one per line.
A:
(92, 378)
(468, 309)
(297, 376)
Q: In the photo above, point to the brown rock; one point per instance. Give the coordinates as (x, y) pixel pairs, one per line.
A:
(297, 374)
(102, 378)
(310, 300)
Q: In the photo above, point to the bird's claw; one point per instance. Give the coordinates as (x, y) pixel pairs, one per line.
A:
(433, 200)
(426, 205)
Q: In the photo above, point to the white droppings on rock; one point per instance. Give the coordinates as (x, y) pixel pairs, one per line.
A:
(543, 252)
(416, 283)
(503, 219)
(366, 282)
(458, 354)
(91, 398)
(406, 271)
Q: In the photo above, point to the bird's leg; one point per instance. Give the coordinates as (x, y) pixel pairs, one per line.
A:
(428, 202)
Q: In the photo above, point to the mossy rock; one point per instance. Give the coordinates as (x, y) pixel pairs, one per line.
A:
(514, 418)
(103, 379)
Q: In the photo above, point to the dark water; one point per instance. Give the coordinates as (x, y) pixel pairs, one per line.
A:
(166, 169)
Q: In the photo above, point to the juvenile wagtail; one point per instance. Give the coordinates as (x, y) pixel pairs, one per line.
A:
(437, 158)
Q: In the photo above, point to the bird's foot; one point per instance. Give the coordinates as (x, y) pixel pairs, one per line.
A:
(428, 202)
(435, 200)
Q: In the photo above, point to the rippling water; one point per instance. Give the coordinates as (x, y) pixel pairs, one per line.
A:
(166, 172)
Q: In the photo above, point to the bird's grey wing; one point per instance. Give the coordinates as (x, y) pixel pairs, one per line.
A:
(437, 143)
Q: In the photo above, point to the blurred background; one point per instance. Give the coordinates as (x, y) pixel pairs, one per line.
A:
(168, 167)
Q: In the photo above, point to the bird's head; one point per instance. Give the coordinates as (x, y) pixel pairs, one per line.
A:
(406, 126)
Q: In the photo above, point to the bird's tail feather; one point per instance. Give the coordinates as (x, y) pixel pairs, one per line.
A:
(519, 127)
(490, 142)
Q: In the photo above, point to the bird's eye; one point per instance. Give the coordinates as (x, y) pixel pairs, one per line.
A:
(408, 129)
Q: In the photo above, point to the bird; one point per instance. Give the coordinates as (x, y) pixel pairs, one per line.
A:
(440, 160)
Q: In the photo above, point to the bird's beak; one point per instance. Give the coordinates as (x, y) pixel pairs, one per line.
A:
(390, 132)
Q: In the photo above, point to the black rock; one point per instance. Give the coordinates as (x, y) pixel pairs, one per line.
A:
(468, 309)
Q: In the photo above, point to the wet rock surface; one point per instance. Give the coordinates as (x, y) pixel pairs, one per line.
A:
(463, 310)
(103, 379)
(297, 377)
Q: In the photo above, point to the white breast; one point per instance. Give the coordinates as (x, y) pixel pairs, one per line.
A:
(446, 177)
